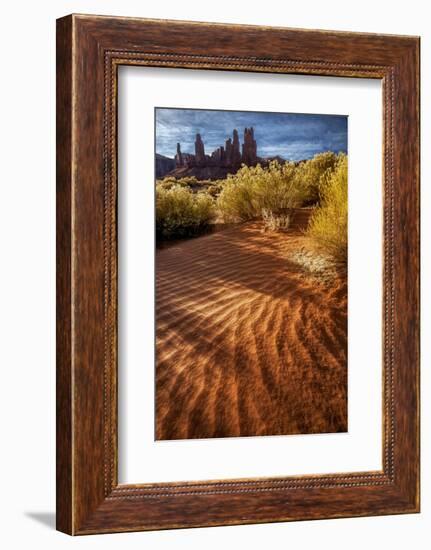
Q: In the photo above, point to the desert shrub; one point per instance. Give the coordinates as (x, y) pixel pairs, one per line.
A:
(189, 180)
(275, 222)
(214, 189)
(252, 189)
(328, 225)
(165, 183)
(193, 183)
(314, 174)
(180, 212)
(170, 181)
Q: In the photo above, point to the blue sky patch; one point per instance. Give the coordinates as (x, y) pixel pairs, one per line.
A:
(292, 136)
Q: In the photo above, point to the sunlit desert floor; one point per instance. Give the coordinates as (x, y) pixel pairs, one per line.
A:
(247, 342)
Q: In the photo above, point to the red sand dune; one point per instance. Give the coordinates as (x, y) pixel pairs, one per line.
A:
(247, 344)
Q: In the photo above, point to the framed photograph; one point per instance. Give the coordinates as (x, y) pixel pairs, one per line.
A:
(237, 274)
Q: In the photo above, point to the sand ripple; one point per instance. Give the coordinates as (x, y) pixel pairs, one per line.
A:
(245, 344)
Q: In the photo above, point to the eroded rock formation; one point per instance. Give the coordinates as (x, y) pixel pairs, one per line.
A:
(249, 148)
(227, 156)
(164, 165)
(200, 157)
(236, 155)
(226, 159)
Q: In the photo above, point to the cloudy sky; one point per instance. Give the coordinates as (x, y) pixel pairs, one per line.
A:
(292, 136)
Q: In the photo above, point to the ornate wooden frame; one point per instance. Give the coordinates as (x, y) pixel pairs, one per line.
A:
(89, 51)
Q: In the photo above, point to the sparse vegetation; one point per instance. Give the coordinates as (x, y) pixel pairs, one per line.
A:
(275, 222)
(186, 206)
(328, 225)
(190, 182)
(180, 212)
(319, 266)
(314, 174)
(254, 189)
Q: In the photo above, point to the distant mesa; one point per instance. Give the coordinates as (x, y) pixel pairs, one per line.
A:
(224, 160)
(164, 165)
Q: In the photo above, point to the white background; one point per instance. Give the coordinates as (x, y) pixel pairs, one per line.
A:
(27, 123)
(141, 458)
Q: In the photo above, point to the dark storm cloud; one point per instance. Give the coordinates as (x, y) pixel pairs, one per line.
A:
(292, 136)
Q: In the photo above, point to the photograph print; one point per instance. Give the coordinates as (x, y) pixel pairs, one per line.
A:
(251, 273)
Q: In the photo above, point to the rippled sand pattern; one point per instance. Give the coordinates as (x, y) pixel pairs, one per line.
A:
(246, 344)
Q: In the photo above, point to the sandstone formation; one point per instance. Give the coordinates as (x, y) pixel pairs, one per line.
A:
(249, 148)
(164, 165)
(222, 161)
(226, 159)
(236, 155)
(200, 157)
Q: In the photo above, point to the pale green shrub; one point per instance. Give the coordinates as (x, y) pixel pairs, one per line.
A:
(180, 212)
(328, 225)
(313, 175)
(252, 189)
(275, 222)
